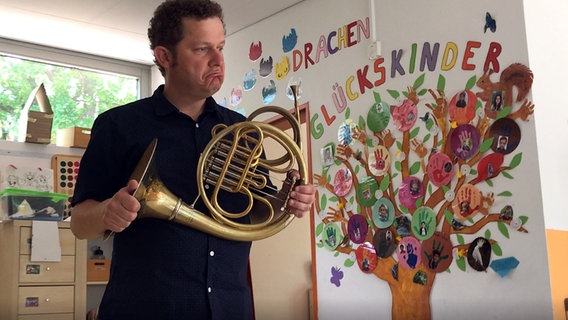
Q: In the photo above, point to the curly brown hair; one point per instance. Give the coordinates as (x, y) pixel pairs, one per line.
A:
(166, 28)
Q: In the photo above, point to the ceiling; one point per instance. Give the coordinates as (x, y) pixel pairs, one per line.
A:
(109, 28)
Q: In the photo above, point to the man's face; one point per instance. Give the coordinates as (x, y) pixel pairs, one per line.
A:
(199, 65)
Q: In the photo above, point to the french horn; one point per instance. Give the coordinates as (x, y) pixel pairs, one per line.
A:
(232, 161)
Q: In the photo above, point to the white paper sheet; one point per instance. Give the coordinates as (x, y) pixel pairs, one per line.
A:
(45, 241)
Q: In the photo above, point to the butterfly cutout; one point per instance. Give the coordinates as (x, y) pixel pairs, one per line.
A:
(490, 23)
(425, 117)
(336, 276)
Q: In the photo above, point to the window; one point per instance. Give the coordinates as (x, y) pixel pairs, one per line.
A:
(79, 86)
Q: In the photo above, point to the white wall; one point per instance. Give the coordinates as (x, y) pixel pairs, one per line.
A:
(547, 27)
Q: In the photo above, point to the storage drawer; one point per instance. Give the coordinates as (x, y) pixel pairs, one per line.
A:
(41, 272)
(54, 316)
(66, 238)
(47, 299)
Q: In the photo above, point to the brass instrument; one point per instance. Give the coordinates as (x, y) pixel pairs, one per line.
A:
(231, 162)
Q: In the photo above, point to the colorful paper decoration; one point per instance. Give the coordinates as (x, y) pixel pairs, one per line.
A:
(437, 252)
(357, 228)
(506, 135)
(366, 257)
(440, 169)
(366, 191)
(378, 117)
(423, 223)
(379, 161)
(343, 182)
(467, 202)
(505, 265)
(462, 107)
(384, 242)
(409, 252)
(464, 141)
(479, 254)
(383, 213)
(410, 190)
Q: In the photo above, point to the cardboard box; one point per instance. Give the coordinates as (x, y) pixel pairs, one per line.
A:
(35, 126)
(20, 204)
(98, 269)
(75, 137)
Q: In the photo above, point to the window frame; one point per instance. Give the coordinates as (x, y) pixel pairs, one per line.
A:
(88, 61)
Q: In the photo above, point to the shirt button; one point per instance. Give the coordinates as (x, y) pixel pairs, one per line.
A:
(211, 253)
(197, 125)
(209, 289)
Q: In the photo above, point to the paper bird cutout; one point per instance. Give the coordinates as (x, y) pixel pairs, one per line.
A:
(490, 23)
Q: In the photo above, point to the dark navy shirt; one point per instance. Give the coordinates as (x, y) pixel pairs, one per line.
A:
(161, 269)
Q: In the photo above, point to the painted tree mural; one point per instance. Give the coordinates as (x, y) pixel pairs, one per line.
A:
(408, 207)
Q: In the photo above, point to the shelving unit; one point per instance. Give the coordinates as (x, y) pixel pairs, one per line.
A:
(41, 290)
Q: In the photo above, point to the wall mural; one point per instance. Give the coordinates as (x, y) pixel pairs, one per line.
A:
(404, 206)
(409, 187)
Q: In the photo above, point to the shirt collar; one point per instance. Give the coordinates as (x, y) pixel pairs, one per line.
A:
(164, 107)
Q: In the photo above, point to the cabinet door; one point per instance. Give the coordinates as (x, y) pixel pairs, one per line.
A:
(54, 316)
(45, 299)
(44, 272)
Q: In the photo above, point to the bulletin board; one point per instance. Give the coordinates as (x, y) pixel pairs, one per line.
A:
(425, 159)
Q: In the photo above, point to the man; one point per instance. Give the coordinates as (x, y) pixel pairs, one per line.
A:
(161, 269)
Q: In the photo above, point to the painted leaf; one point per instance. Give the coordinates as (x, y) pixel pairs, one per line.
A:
(504, 113)
(362, 124)
(429, 123)
(524, 219)
(419, 202)
(426, 138)
(503, 228)
(377, 96)
(489, 182)
(394, 94)
(414, 132)
(323, 201)
(505, 194)
(347, 113)
(419, 81)
(461, 263)
(487, 234)
(497, 249)
(414, 168)
(441, 83)
(398, 166)
(319, 228)
(507, 175)
(470, 83)
(516, 160)
(459, 237)
(486, 145)
(385, 182)
(349, 263)
(448, 215)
